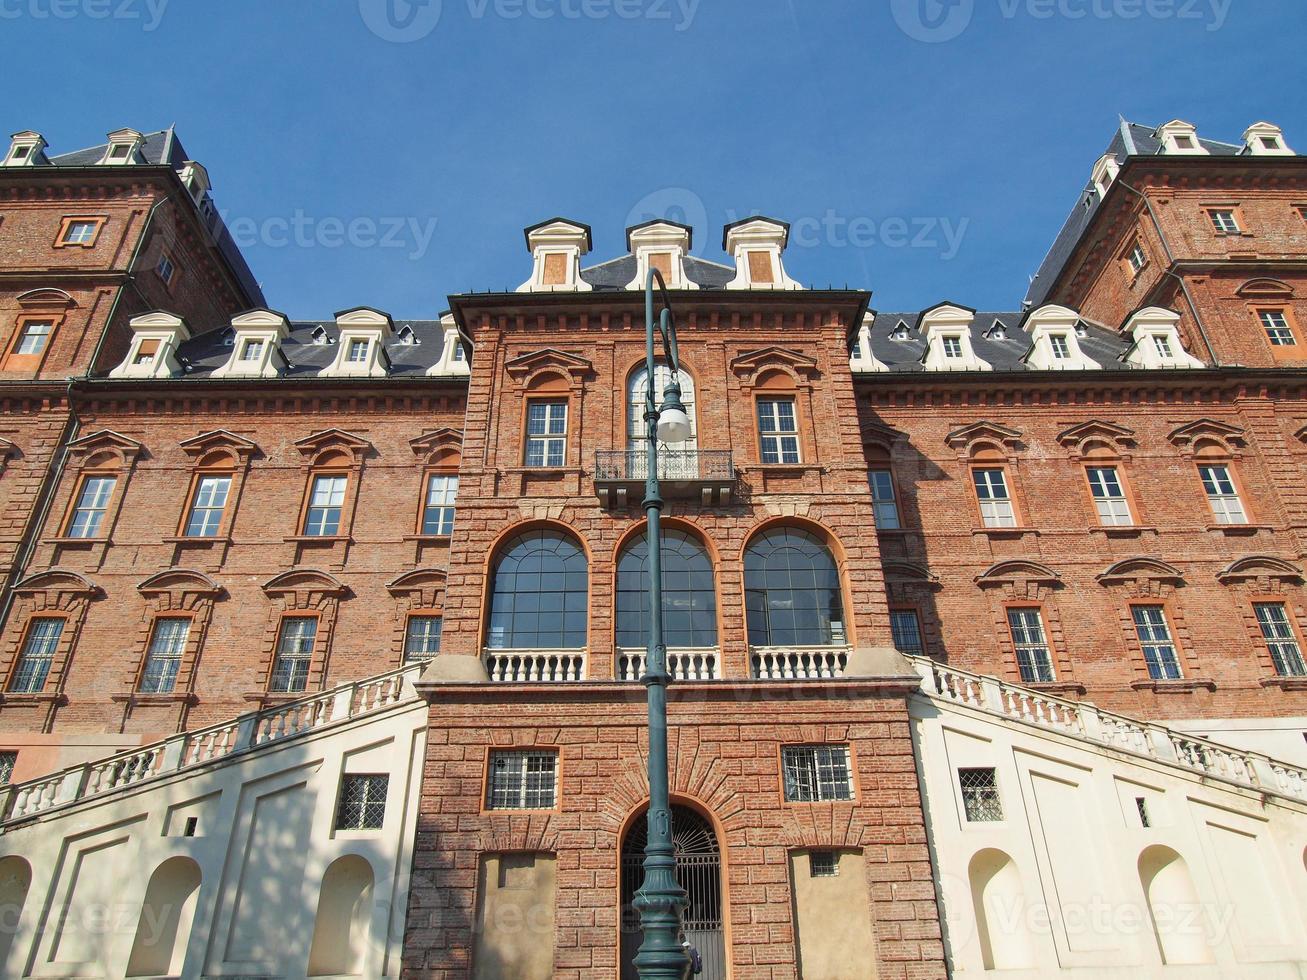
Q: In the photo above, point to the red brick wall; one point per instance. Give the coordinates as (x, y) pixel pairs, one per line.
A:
(725, 746)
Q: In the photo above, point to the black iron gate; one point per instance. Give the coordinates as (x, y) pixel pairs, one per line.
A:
(699, 871)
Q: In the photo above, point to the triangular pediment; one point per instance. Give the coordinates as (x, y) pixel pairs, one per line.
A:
(1096, 429)
(332, 439)
(548, 357)
(106, 440)
(983, 431)
(751, 362)
(207, 442)
(429, 442)
(1224, 432)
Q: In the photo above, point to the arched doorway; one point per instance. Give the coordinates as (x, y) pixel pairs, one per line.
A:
(699, 871)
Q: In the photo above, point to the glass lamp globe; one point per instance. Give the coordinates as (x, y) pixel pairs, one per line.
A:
(673, 425)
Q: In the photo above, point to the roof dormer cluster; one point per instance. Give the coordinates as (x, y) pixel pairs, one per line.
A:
(756, 246)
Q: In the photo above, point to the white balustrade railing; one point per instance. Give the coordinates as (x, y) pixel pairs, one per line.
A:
(535, 666)
(797, 663)
(189, 749)
(684, 664)
(1084, 720)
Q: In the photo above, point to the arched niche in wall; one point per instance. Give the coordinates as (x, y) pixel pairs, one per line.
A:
(999, 902)
(15, 880)
(340, 931)
(1172, 899)
(164, 928)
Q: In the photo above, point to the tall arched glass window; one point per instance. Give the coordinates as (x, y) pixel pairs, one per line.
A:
(792, 591)
(689, 599)
(539, 594)
(672, 461)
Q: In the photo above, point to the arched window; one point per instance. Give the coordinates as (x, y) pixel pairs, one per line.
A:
(539, 594)
(637, 429)
(689, 600)
(792, 591)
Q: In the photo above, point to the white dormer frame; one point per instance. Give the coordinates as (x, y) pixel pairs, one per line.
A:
(1257, 137)
(266, 326)
(451, 365)
(124, 148)
(561, 237)
(1179, 138)
(196, 178)
(948, 323)
(361, 326)
(26, 149)
(1145, 329)
(660, 237)
(1104, 173)
(164, 332)
(1049, 322)
(863, 361)
(758, 236)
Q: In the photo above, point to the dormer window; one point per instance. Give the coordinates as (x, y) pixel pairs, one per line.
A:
(20, 154)
(661, 245)
(952, 347)
(901, 332)
(997, 332)
(363, 335)
(252, 351)
(1163, 347)
(407, 337)
(122, 148)
(1081, 330)
(358, 351)
(320, 337)
(1270, 143)
(756, 245)
(1061, 350)
(26, 150)
(556, 247)
(1178, 136)
(1184, 142)
(119, 151)
(146, 352)
(1266, 139)
(459, 354)
(153, 349)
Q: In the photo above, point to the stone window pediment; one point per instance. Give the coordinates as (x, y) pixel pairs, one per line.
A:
(525, 368)
(1080, 439)
(1260, 568)
(751, 365)
(306, 584)
(314, 447)
(984, 434)
(105, 441)
(1190, 437)
(1146, 574)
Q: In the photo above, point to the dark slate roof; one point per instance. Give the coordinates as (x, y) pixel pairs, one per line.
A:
(202, 354)
(1103, 345)
(1131, 139)
(165, 149)
(616, 273)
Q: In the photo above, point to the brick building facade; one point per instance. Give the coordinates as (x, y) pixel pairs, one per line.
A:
(1098, 496)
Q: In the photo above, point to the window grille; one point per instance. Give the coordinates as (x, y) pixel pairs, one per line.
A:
(823, 864)
(523, 780)
(38, 653)
(422, 637)
(1280, 638)
(290, 673)
(905, 626)
(816, 773)
(7, 761)
(1155, 639)
(362, 803)
(980, 795)
(1033, 657)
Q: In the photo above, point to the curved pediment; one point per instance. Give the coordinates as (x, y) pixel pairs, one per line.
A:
(1264, 288)
(1018, 570)
(57, 580)
(305, 580)
(1140, 569)
(1252, 567)
(909, 571)
(179, 580)
(47, 296)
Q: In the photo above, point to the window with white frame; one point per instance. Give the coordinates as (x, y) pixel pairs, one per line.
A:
(905, 626)
(422, 637)
(883, 501)
(1137, 257)
(362, 804)
(166, 270)
(164, 658)
(39, 646)
(1109, 497)
(1281, 640)
(146, 351)
(980, 799)
(1061, 348)
(778, 430)
(92, 503)
(1276, 325)
(438, 508)
(996, 508)
(952, 347)
(1227, 508)
(1154, 634)
(326, 500)
(358, 351)
(295, 638)
(816, 773)
(1163, 347)
(80, 232)
(522, 780)
(252, 350)
(1033, 657)
(1224, 220)
(207, 506)
(546, 433)
(33, 337)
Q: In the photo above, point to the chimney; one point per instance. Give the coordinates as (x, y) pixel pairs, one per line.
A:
(556, 247)
(26, 149)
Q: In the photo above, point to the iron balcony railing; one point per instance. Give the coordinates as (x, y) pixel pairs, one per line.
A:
(623, 465)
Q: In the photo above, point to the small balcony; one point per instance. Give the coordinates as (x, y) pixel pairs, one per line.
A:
(704, 474)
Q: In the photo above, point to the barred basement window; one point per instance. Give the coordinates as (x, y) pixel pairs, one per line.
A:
(980, 795)
(362, 803)
(7, 760)
(823, 864)
(523, 780)
(816, 773)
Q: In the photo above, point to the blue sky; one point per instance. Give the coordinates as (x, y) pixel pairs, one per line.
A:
(922, 149)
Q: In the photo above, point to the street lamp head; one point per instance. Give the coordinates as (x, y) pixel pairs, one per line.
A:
(673, 421)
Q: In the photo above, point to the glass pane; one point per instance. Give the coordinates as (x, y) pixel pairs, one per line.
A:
(548, 582)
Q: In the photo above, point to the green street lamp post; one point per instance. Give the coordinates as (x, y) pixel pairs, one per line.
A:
(661, 900)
